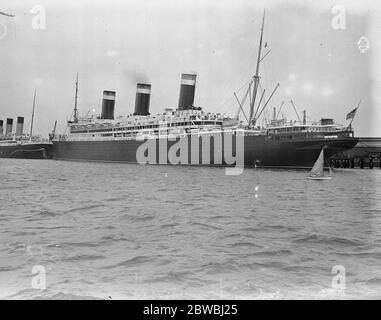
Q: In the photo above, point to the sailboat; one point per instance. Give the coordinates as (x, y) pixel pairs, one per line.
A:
(317, 172)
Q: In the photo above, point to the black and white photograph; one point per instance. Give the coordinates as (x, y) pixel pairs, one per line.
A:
(190, 150)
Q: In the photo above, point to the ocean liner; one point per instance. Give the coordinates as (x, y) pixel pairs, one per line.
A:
(188, 135)
(20, 145)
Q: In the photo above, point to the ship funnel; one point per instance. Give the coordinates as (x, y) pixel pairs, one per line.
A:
(1, 127)
(108, 105)
(187, 89)
(8, 129)
(143, 95)
(19, 126)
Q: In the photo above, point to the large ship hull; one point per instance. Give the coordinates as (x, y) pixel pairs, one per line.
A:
(259, 151)
(27, 151)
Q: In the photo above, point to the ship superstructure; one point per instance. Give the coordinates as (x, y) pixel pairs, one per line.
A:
(211, 137)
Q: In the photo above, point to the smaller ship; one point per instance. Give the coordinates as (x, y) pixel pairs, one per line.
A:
(19, 145)
(317, 172)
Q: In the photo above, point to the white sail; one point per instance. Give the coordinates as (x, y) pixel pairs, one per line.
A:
(318, 168)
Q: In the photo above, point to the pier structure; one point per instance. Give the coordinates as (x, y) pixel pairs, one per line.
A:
(366, 154)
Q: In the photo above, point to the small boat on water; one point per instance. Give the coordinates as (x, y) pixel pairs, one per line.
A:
(317, 172)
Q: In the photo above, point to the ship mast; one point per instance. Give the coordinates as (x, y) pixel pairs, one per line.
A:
(75, 101)
(256, 76)
(31, 123)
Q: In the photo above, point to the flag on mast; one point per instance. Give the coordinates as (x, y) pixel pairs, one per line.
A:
(351, 114)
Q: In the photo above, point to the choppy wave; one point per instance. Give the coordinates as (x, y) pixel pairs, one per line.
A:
(324, 239)
(114, 231)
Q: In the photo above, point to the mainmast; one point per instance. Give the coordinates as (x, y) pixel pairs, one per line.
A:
(31, 123)
(256, 76)
(75, 101)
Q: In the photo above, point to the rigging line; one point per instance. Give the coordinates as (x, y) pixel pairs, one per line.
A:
(259, 104)
(241, 107)
(262, 88)
(229, 86)
(295, 110)
(222, 104)
(249, 61)
(231, 96)
(225, 110)
(250, 93)
(250, 47)
(247, 94)
(248, 64)
(236, 79)
(219, 108)
(265, 110)
(263, 97)
(245, 98)
(268, 100)
(265, 55)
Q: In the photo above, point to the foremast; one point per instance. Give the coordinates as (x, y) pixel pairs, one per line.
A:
(76, 101)
(31, 123)
(256, 76)
(256, 111)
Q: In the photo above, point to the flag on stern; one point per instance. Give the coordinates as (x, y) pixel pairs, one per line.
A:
(352, 114)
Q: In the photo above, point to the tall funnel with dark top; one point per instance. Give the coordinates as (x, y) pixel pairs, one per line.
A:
(8, 129)
(1, 127)
(108, 105)
(187, 89)
(143, 95)
(19, 126)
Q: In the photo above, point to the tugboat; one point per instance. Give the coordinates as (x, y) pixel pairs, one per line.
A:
(19, 145)
(190, 136)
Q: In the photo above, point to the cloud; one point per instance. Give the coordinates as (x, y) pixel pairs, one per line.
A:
(37, 82)
(307, 88)
(288, 91)
(327, 91)
(292, 76)
(112, 53)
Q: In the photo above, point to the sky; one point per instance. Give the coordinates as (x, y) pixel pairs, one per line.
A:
(114, 44)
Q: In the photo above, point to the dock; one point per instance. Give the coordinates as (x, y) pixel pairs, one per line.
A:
(365, 155)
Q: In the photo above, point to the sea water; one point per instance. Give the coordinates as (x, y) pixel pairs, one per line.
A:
(123, 231)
